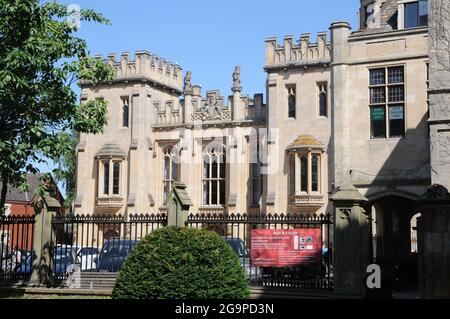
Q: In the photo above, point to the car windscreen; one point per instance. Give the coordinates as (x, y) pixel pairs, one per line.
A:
(88, 251)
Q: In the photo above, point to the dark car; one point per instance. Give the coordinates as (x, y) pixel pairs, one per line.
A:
(113, 254)
(63, 264)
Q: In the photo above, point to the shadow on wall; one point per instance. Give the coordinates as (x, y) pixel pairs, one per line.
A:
(393, 193)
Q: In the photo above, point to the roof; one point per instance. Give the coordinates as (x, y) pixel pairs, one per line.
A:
(15, 195)
(348, 192)
(111, 150)
(305, 142)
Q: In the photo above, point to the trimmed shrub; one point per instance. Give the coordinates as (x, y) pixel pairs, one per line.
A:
(181, 263)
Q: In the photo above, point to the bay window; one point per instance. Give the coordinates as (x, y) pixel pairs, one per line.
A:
(110, 176)
(305, 171)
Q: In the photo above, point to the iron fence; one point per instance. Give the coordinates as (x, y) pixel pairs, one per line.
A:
(91, 243)
(16, 247)
(237, 229)
(98, 243)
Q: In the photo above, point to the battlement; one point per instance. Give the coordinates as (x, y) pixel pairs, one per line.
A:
(303, 52)
(147, 66)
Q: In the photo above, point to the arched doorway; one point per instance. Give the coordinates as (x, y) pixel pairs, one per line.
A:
(392, 238)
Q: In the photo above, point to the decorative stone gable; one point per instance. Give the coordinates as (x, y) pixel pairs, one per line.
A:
(213, 109)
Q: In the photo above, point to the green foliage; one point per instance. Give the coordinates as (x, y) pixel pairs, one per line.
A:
(40, 59)
(66, 168)
(178, 263)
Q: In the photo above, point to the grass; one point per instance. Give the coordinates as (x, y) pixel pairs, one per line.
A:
(45, 296)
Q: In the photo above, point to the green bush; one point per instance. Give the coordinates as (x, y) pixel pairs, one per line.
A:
(182, 263)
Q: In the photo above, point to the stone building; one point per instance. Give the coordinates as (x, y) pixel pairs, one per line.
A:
(341, 108)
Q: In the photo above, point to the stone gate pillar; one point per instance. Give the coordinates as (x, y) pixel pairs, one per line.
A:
(351, 241)
(178, 203)
(44, 239)
(434, 243)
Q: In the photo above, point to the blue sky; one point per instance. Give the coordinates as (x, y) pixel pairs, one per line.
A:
(210, 37)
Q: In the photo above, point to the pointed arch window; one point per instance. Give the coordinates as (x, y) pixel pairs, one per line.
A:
(292, 100)
(171, 169)
(214, 172)
(125, 111)
(323, 99)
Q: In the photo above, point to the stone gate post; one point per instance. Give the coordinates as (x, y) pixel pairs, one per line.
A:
(42, 269)
(178, 203)
(351, 242)
(434, 243)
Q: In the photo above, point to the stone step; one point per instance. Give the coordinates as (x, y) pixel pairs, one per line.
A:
(98, 275)
(93, 281)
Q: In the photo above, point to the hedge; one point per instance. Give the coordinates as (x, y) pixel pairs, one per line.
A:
(181, 263)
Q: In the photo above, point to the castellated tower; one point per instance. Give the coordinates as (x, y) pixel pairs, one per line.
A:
(149, 141)
(143, 87)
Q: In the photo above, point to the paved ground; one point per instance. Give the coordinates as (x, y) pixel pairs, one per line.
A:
(406, 295)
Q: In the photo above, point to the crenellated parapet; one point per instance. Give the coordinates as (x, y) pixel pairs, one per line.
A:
(147, 67)
(214, 107)
(304, 52)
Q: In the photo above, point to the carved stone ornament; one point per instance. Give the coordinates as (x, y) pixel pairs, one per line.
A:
(345, 214)
(212, 111)
(187, 83)
(436, 192)
(237, 78)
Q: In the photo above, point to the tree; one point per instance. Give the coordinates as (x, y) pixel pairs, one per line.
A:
(66, 168)
(40, 59)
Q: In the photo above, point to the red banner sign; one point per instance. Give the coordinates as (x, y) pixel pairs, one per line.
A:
(286, 247)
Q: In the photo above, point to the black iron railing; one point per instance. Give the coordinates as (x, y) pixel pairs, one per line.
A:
(237, 230)
(92, 243)
(98, 243)
(16, 247)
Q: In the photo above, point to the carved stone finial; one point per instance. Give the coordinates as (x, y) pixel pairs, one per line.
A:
(237, 79)
(436, 192)
(187, 83)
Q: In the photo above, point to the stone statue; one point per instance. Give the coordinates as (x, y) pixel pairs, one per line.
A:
(187, 83)
(237, 78)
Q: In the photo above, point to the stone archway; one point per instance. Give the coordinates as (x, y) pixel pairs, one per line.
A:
(391, 239)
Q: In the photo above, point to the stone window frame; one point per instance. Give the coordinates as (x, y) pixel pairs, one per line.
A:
(296, 170)
(401, 14)
(322, 89)
(255, 171)
(169, 152)
(214, 151)
(291, 92)
(125, 111)
(386, 103)
(110, 162)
